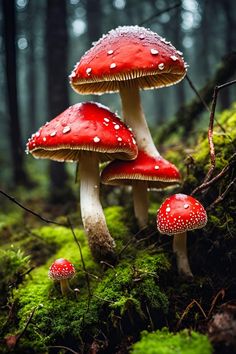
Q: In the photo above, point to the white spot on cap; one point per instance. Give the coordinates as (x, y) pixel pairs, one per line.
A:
(179, 52)
(110, 52)
(107, 120)
(174, 57)
(168, 209)
(154, 51)
(156, 167)
(117, 127)
(113, 65)
(161, 66)
(119, 138)
(134, 142)
(67, 129)
(73, 74)
(186, 206)
(37, 134)
(44, 139)
(53, 133)
(88, 71)
(141, 36)
(96, 139)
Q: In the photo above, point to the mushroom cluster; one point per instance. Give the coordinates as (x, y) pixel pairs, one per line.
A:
(125, 60)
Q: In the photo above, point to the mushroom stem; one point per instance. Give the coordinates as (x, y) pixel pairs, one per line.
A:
(65, 287)
(140, 198)
(134, 117)
(100, 241)
(180, 249)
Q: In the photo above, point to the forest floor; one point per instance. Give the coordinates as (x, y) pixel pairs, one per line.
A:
(140, 304)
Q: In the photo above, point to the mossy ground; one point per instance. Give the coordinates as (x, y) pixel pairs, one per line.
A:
(142, 291)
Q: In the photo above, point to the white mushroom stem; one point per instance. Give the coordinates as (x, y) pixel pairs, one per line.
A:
(100, 241)
(140, 198)
(134, 117)
(65, 287)
(180, 249)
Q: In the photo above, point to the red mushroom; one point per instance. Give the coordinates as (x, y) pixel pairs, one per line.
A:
(145, 172)
(87, 133)
(62, 270)
(125, 60)
(177, 215)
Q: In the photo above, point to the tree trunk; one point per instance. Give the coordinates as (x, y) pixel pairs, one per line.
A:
(9, 29)
(58, 100)
(31, 73)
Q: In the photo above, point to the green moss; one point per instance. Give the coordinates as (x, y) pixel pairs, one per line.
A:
(13, 264)
(164, 342)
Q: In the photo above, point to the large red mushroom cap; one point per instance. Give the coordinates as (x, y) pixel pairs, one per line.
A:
(61, 269)
(84, 126)
(128, 53)
(157, 171)
(180, 213)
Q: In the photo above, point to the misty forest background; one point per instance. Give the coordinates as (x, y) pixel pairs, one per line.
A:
(40, 42)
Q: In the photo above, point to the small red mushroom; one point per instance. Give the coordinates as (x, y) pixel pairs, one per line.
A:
(145, 172)
(177, 215)
(62, 270)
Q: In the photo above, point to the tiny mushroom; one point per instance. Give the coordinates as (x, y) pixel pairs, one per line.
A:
(62, 270)
(87, 133)
(177, 215)
(145, 172)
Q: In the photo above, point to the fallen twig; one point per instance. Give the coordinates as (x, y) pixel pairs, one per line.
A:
(221, 174)
(29, 210)
(223, 195)
(82, 259)
(63, 347)
(186, 311)
(210, 136)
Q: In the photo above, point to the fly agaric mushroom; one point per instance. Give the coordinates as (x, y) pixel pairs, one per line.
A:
(88, 133)
(177, 215)
(62, 270)
(127, 59)
(142, 173)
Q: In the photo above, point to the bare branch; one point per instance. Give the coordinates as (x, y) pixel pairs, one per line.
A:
(29, 210)
(159, 13)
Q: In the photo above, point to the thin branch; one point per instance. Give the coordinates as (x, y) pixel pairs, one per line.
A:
(159, 13)
(63, 347)
(82, 259)
(223, 195)
(221, 174)
(197, 93)
(220, 293)
(29, 210)
(210, 134)
(26, 326)
(186, 311)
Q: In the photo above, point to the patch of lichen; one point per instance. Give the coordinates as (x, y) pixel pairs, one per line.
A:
(164, 342)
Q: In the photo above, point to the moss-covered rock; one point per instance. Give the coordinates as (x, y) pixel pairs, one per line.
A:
(164, 342)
